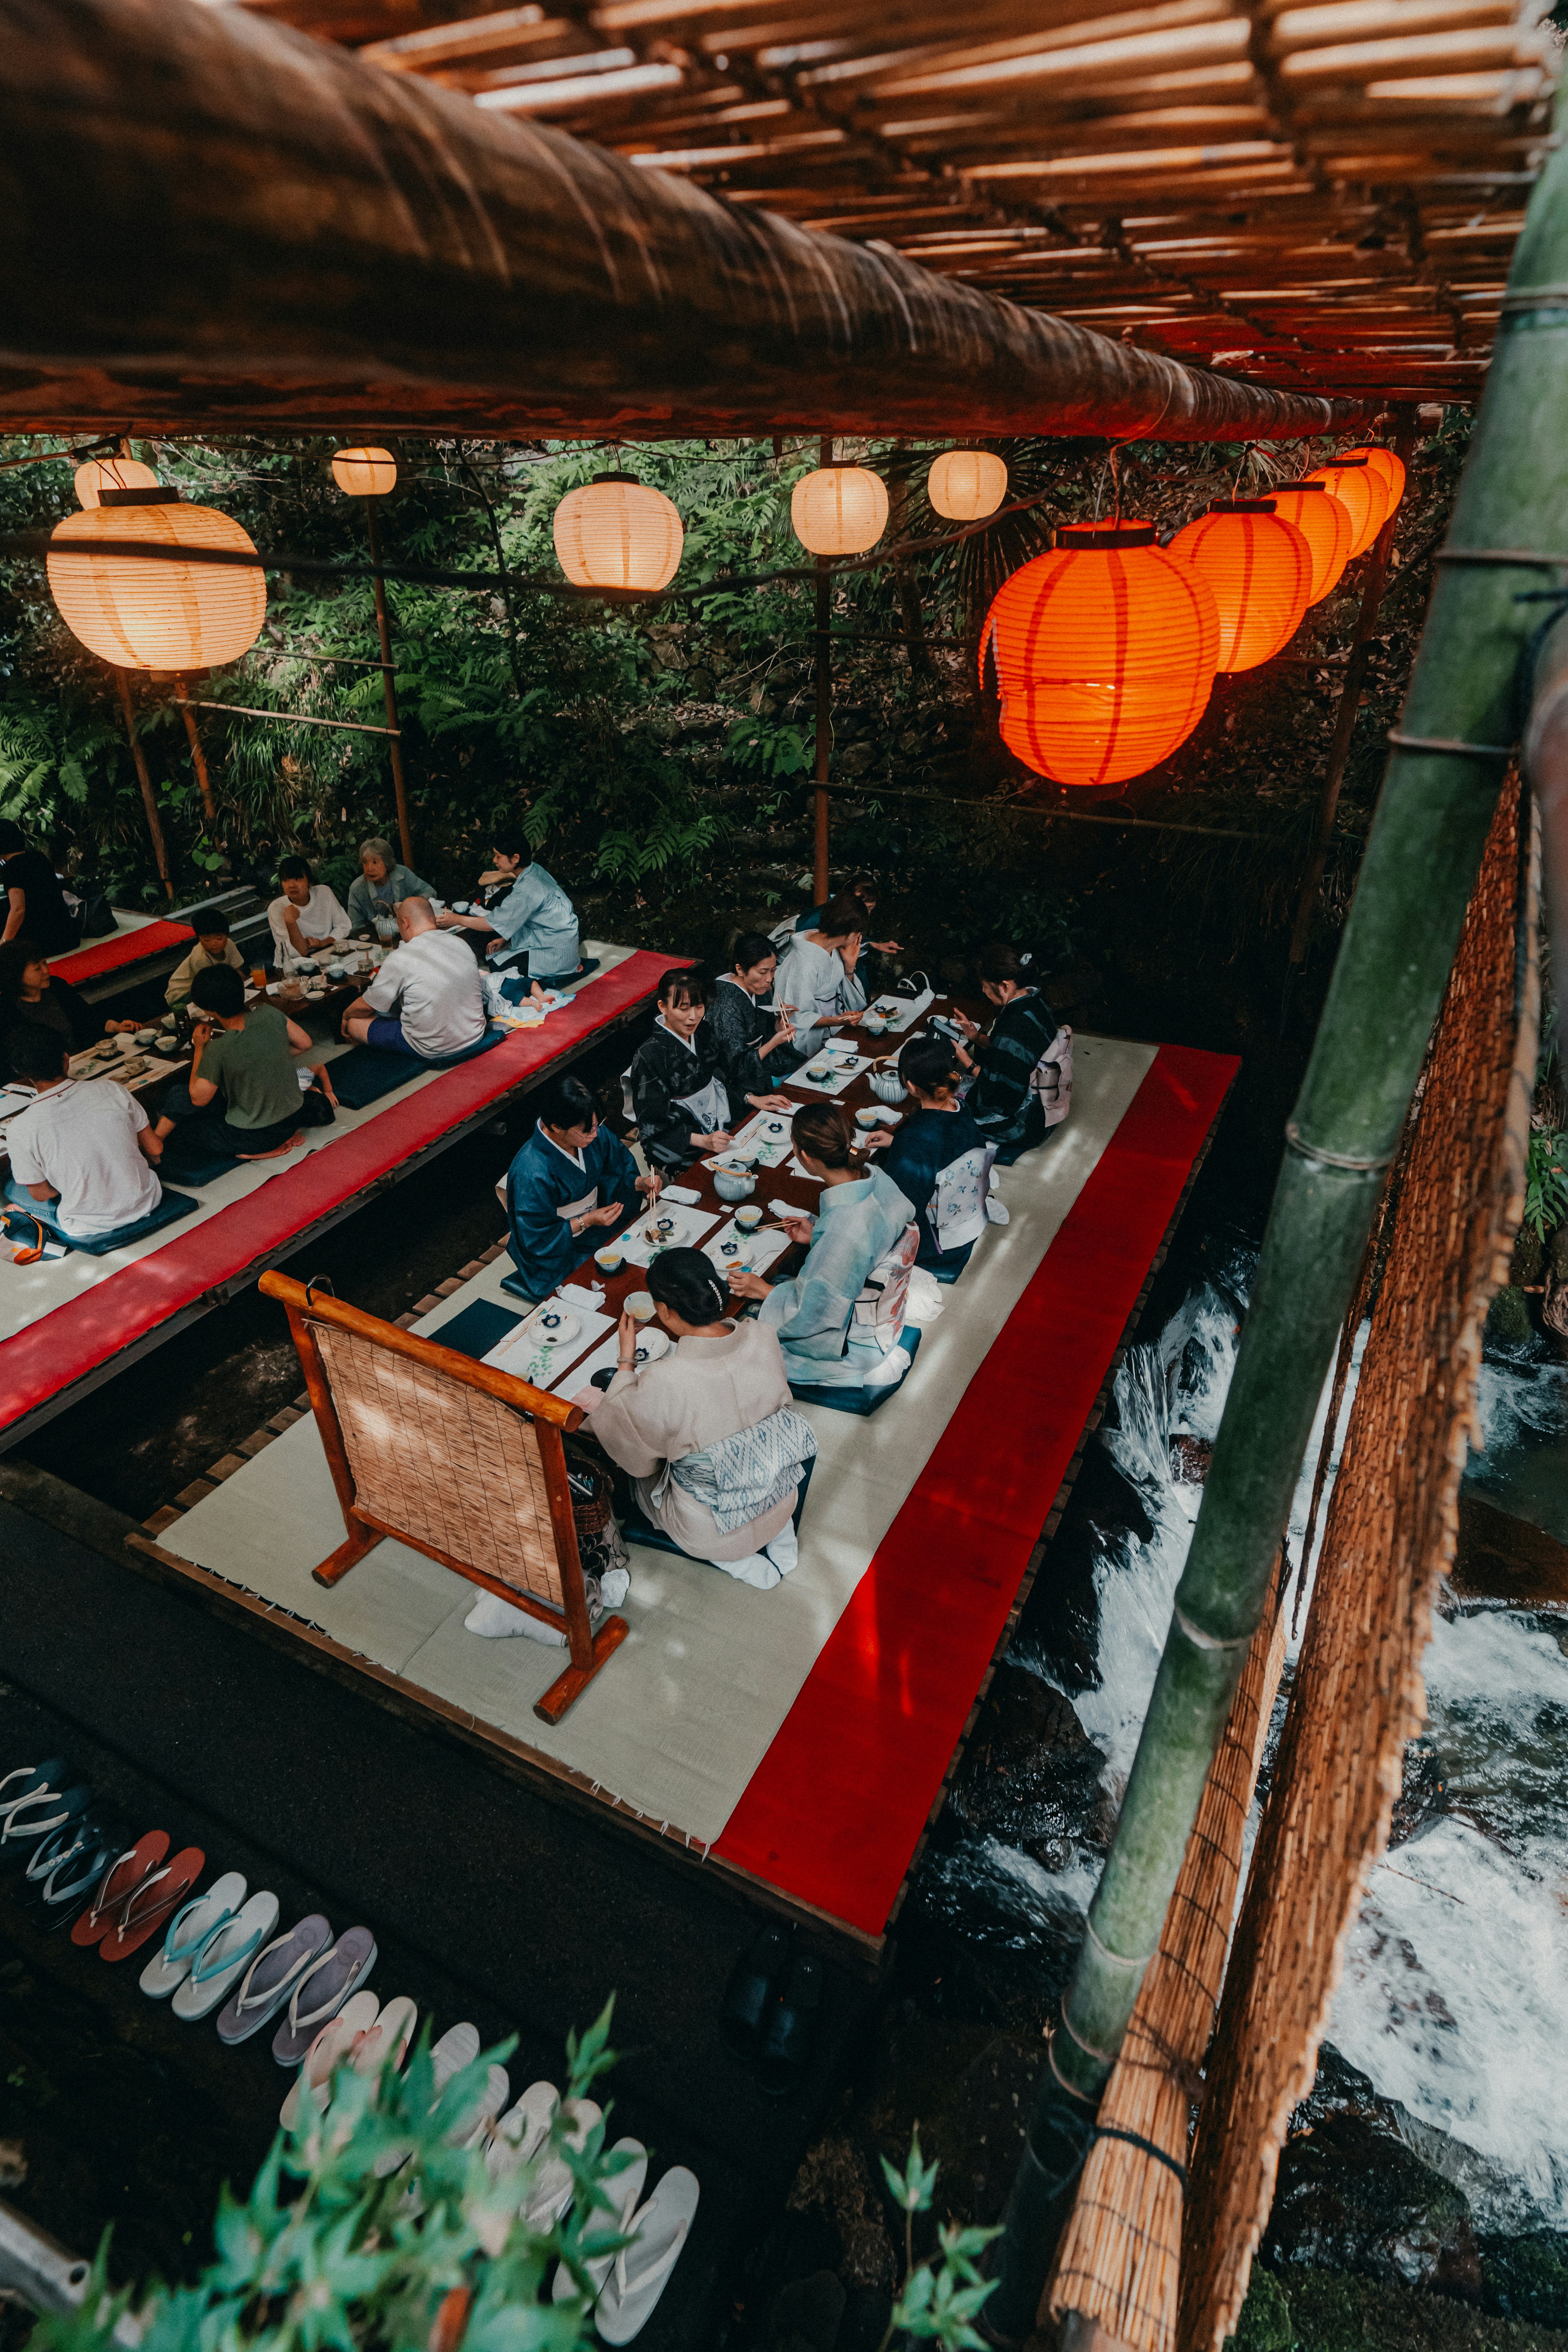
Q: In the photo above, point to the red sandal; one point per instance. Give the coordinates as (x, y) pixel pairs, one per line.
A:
(117, 1885)
(153, 1903)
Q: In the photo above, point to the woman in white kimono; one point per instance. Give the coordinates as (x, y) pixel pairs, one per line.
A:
(816, 973)
(526, 923)
(707, 1433)
(863, 1215)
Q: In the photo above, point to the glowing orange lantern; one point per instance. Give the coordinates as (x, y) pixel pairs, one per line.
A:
(1324, 524)
(158, 612)
(965, 484)
(1105, 653)
(839, 509)
(1259, 568)
(1386, 462)
(1361, 493)
(365, 473)
(618, 532)
(101, 474)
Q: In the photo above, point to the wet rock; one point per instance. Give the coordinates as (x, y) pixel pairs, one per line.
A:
(1062, 1619)
(1264, 2323)
(1030, 1776)
(1190, 1459)
(1527, 2277)
(1557, 1252)
(1349, 2198)
(1529, 1257)
(1508, 1322)
(1420, 1793)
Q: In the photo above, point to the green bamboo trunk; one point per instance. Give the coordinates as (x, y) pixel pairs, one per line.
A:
(1420, 866)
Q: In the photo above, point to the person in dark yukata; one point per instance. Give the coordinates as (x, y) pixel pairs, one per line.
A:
(572, 1182)
(1008, 1101)
(940, 1160)
(750, 1032)
(678, 1096)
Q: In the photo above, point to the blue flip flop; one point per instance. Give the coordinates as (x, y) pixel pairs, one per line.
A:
(27, 1781)
(37, 1816)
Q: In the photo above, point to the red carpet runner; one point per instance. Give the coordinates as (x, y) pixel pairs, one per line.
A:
(73, 1339)
(125, 947)
(835, 1810)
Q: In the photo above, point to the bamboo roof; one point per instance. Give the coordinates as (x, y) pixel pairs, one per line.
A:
(1321, 199)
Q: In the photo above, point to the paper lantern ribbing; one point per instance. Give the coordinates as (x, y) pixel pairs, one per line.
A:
(1105, 653)
(1363, 494)
(156, 614)
(839, 509)
(967, 484)
(101, 474)
(1323, 523)
(1386, 462)
(616, 532)
(365, 473)
(1259, 568)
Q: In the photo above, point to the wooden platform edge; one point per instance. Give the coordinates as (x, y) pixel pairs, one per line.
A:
(1092, 1419)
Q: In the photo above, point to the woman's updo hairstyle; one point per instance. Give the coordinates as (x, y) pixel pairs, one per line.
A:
(843, 915)
(822, 1130)
(1003, 961)
(750, 949)
(686, 1281)
(927, 1063)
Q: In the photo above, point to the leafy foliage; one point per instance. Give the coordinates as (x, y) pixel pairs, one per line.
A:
(1546, 1179)
(936, 2304)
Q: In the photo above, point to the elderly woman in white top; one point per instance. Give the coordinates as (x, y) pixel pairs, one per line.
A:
(707, 1433)
(816, 973)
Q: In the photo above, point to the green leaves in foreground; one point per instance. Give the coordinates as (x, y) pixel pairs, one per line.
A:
(938, 2304)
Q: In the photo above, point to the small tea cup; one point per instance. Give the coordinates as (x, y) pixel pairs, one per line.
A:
(866, 1118)
(748, 1220)
(145, 1038)
(611, 1258)
(639, 1306)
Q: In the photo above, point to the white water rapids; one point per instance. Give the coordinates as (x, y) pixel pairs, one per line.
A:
(1454, 1994)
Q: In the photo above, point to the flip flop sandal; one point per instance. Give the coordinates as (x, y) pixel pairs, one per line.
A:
(321, 1992)
(28, 1780)
(190, 1932)
(119, 1882)
(63, 1844)
(330, 2049)
(31, 1818)
(385, 2043)
(478, 2116)
(79, 1872)
(623, 2191)
(457, 2047)
(522, 2130)
(790, 2035)
(753, 1981)
(554, 2189)
(224, 1957)
(151, 1906)
(641, 2271)
(271, 1977)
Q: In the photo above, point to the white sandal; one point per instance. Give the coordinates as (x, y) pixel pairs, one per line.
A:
(623, 2191)
(642, 2270)
(552, 2193)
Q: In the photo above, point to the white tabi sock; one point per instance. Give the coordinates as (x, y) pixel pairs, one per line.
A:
(496, 1618)
(785, 1551)
(757, 1569)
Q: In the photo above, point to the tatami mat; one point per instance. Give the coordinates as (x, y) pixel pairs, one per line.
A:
(678, 1722)
(29, 1292)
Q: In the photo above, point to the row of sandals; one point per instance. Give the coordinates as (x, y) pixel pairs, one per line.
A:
(218, 1952)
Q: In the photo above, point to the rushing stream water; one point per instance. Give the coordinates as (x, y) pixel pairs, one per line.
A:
(1455, 1986)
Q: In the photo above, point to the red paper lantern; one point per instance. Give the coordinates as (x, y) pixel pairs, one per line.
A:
(1105, 653)
(1389, 463)
(1325, 525)
(1362, 495)
(1260, 569)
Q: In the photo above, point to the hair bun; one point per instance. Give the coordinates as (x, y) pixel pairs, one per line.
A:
(1026, 956)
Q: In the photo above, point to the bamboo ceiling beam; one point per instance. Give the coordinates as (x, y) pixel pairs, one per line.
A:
(214, 219)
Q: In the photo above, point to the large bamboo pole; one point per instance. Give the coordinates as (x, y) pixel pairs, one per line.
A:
(144, 778)
(1420, 866)
(210, 215)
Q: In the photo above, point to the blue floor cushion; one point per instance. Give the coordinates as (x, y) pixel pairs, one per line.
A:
(172, 1206)
(863, 1402)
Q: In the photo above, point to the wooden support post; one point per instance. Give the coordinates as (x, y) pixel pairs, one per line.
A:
(1350, 703)
(389, 690)
(824, 713)
(198, 757)
(160, 847)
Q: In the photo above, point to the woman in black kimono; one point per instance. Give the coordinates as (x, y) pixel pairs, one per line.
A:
(748, 1033)
(1004, 1103)
(678, 1096)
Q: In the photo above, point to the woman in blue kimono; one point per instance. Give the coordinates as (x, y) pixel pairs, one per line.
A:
(862, 1216)
(525, 922)
(572, 1180)
(938, 1158)
(1005, 1102)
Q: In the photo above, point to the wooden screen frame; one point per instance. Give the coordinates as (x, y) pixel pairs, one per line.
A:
(552, 1418)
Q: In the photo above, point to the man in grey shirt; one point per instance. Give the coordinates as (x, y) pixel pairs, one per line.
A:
(427, 999)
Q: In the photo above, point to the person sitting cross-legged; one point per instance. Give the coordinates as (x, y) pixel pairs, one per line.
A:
(427, 999)
(380, 886)
(212, 945)
(244, 1086)
(307, 920)
(83, 1153)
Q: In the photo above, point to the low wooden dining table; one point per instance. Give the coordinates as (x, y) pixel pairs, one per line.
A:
(715, 1216)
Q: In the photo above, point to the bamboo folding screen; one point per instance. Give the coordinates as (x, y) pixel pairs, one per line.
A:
(1321, 198)
(459, 1461)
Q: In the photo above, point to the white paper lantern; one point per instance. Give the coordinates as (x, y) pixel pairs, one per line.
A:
(101, 474)
(157, 615)
(965, 484)
(618, 532)
(839, 509)
(365, 473)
